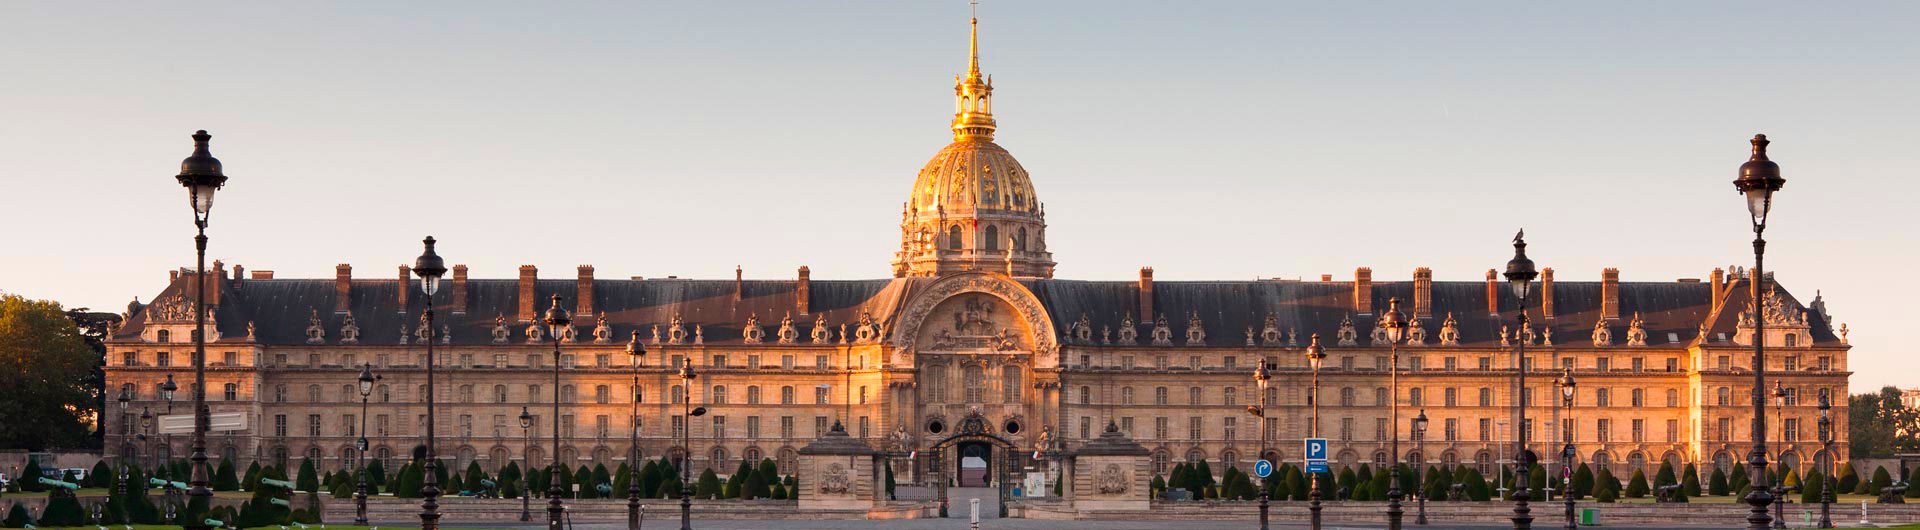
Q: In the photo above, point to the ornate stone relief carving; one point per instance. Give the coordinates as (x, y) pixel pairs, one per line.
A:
(868, 331)
(676, 330)
(1129, 332)
(751, 333)
(787, 334)
(423, 332)
(1270, 331)
(1347, 336)
(316, 334)
(1162, 335)
(1504, 335)
(602, 333)
(170, 308)
(1378, 337)
(535, 332)
(1450, 331)
(1546, 335)
(500, 332)
(1113, 480)
(1602, 335)
(1417, 333)
(349, 331)
(820, 334)
(834, 479)
(1083, 329)
(1196, 335)
(1636, 332)
(1026, 307)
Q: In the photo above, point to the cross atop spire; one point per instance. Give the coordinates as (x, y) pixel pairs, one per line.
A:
(973, 93)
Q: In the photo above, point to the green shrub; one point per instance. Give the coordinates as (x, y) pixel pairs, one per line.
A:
(17, 517)
(1690, 482)
(1665, 476)
(756, 486)
(308, 480)
(1737, 480)
(1606, 494)
(1847, 480)
(1637, 486)
(1717, 483)
(708, 487)
(779, 492)
(30, 477)
(1811, 488)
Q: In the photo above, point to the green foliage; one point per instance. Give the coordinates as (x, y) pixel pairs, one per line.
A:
(1848, 479)
(63, 509)
(1737, 480)
(890, 483)
(510, 485)
(1477, 488)
(252, 478)
(1297, 487)
(453, 485)
(474, 475)
(779, 492)
(1537, 478)
(1582, 481)
(757, 485)
(308, 480)
(1156, 486)
(1812, 488)
(708, 487)
(1880, 480)
(1665, 476)
(1637, 487)
(737, 480)
(599, 476)
(101, 476)
(46, 364)
(1875, 423)
(1603, 481)
(1717, 483)
(1345, 479)
(1690, 481)
(30, 477)
(1203, 474)
(1913, 489)
(650, 480)
(260, 510)
(1434, 484)
(17, 517)
(1606, 494)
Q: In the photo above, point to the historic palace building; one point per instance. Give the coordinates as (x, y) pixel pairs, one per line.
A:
(973, 321)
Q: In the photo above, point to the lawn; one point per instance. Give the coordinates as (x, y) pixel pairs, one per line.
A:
(315, 527)
(102, 492)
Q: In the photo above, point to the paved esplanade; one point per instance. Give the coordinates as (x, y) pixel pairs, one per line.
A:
(985, 523)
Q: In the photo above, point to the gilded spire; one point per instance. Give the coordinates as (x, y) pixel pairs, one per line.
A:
(973, 96)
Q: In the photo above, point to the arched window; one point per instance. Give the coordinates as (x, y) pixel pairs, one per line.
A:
(1195, 455)
(162, 336)
(993, 243)
(786, 395)
(1020, 239)
(753, 394)
(1160, 460)
(1193, 395)
(1010, 384)
(953, 237)
(719, 458)
(719, 395)
(751, 455)
(975, 383)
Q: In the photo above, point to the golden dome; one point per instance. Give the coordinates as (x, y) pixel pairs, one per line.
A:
(969, 175)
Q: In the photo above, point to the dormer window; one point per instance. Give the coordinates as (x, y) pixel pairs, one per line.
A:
(1793, 340)
(162, 336)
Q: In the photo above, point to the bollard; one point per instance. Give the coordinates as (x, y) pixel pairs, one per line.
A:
(975, 518)
(1863, 514)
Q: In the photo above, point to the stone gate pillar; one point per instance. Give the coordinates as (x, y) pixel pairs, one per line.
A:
(837, 472)
(1109, 474)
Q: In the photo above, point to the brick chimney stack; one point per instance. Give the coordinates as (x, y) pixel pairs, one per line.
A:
(1423, 293)
(1546, 292)
(803, 291)
(1146, 294)
(583, 291)
(739, 287)
(527, 275)
(1493, 292)
(1718, 288)
(406, 274)
(1363, 291)
(239, 273)
(342, 287)
(261, 274)
(459, 289)
(1610, 293)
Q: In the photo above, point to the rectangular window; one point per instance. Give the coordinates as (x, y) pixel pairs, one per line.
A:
(1229, 361)
(1639, 431)
(719, 427)
(1193, 427)
(753, 426)
(819, 426)
(679, 426)
(1603, 364)
(1380, 429)
(601, 360)
(499, 360)
(1126, 362)
(380, 425)
(1380, 363)
(1086, 427)
(1604, 430)
(786, 427)
(1160, 428)
(348, 426)
(1415, 363)
(1452, 364)
(130, 358)
(1486, 430)
(820, 394)
(864, 427)
(786, 362)
(1566, 363)
(820, 362)
(753, 361)
(232, 358)
(280, 425)
(1486, 363)
(1673, 365)
(162, 359)
(1228, 427)
(1452, 397)
(601, 425)
(1453, 430)
(1602, 397)
(1790, 429)
(1726, 362)
(1346, 363)
(1346, 429)
(313, 425)
(1126, 426)
(1639, 364)
(1673, 431)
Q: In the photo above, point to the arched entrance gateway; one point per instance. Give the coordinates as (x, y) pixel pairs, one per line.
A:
(986, 372)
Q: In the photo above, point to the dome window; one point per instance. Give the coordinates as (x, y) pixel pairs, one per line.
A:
(993, 237)
(953, 237)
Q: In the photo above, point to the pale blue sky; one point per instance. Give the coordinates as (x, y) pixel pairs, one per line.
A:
(1211, 140)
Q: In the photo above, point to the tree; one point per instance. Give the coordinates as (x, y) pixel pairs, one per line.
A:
(1717, 483)
(1690, 481)
(1791, 479)
(1297, 487)
(1637, 486)
(1880, 480)
(600, 477)
(1603, 481)
(1582, 481)
(1538, 479)
(756, 485)
(49, 371)
(1848, 479)
(224, 478)
(1665, 476)
(1156, 486)
(708, 487)
(252, 479)
(1876, 421)
(779, 492)
(29, 479)
(1913, 489)
(890, 482)
(307, 481)
(17, 517)
(738, 480)
(260, 510)
(1477, 488)
(1737, 483)
(1811, 489)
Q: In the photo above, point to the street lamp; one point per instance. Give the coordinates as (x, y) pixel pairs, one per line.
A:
(1567, 385)
(557, 321)
(1520, 275)
(1395, 326)
(1420, 435)
(1759, 178)
(166, 438)
(201, 175)
(635, 352)
(1261, 377)
(366, 380)
(1779, 486)
(526, 432)
(1315, 357)
(126, 397)
(1826, 475)
(429, 267)
(146, 424)
(690, 412)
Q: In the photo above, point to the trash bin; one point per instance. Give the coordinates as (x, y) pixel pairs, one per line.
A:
(1590, 516)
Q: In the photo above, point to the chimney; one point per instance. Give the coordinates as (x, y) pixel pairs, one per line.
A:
(1610, 293)
(1423, 293)
(527, 274)
(802, 291)
(1363, 291)
(214, 276)
(342, 287)
(173, 275)
(1719, 288)
(583, 289)
(262, 274)
(1493, 292)
(406, 273)
(1326, 277)
(737, 287)
(239, 273)
(1146, 294)
(1546, 292)
(459, 289)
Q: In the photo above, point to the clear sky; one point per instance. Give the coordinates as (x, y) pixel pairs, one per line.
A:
(1211, 140)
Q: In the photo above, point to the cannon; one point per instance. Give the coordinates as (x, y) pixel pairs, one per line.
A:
(1667, 493)
(1895, 494)
(280, 483)
(280, 502)
(59, 483)
(166, 484)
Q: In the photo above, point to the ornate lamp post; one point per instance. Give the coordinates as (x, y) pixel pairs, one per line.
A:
(365, 380)
(429, 267)
(1567, 389)
(1520, 275)
(1419, 436)
(1395, 325)
(1826, 475)
(125, 398)
(526, 431)
(201, 174)
(146, 424)
(1261, 377)
(634, 352)
(1315, 357)
(557, 321)
(689, 412)
(1759, 178)
(1779, 486)
(166, 439)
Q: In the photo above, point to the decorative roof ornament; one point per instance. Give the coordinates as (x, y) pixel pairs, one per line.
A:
(1270, 331)
(535, 332)
(1347, 336)
(1379, 335)
(786, 333)
(843, 333)
(1106, 334)
(656, 335)
(1843, 332)
(250, 330)
(676, 330)
(316, 334)
(699, 335)
(820, 334)
(1162, 335)
(1250, 336)
(751, 333)
(1129, 332)
(1450, 331)
(602, 333)
(349, 331)
(1778, 312)
(1636, 331)
(868, 331)
(1602, 335)
(1196, 335)
(1546, 335)
(1416, 333)
(500, 332)
(446, 334)
(1504, 335)
(1083, 329)
(1293, 337)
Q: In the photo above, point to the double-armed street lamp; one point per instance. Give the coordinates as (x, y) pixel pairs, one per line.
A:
(557, 322)
(365, 381)
(1261, 378)
(1395, 326)
(689, 412)
(1759, 179)
(1567, 388)
(429, 267)
(1315, 357)
(1520, 275)
(201, 175)
(1420, 488)
(635, 352)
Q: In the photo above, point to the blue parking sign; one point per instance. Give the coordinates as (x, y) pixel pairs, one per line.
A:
(1316, 455)
(1262, 468)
